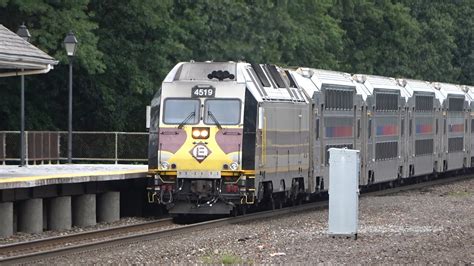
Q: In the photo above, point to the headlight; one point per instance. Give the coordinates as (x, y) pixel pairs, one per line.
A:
(204, 133)
(165, 165)
(200, 132)
(234, 166)
(196, 133)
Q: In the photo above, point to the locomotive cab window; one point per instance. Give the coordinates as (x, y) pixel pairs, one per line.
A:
(177, 111)
(222, 111)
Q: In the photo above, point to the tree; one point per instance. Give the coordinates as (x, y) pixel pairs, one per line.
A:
(127, 48)
(437, 42)
(48, 22)
(380, 37)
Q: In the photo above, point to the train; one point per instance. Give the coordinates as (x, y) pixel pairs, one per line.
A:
(226, 136)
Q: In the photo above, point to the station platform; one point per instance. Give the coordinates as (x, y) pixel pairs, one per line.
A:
(12, 177)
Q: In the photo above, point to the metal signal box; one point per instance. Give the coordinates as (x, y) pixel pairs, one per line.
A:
(344, 168)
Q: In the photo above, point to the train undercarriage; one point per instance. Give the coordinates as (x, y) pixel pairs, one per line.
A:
(202, 196)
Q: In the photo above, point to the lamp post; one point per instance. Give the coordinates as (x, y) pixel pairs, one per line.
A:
(25, 34)
(70, 43)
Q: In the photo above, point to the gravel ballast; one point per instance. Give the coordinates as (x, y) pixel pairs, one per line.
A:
(433, 225)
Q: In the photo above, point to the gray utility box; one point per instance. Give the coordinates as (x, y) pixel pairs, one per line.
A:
(344, 170)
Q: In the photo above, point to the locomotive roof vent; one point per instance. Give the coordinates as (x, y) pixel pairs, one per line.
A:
(220, 75)
(437, 85)
(465, 88)
(306, 72)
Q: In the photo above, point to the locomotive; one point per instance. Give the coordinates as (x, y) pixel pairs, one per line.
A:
(227, 135)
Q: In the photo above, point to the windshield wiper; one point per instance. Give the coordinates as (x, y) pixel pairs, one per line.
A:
(192, 114)
(211, 115)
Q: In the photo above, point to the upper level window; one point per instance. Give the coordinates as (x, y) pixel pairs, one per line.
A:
(177, 111)
(339, 97)
(456, 104)
(386, 101)
(222, 111)
(423, 103)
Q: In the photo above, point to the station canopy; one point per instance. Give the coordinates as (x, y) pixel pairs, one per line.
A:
(19, 57)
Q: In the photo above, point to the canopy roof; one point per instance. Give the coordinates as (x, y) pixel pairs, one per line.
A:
(19, 57)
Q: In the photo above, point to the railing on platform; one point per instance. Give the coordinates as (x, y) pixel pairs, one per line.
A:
(87, 146)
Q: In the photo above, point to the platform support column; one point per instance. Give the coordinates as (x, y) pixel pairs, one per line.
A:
(60, 215)
(83, 210)
(108, 207)
(30, 216)
(6, 219)
(45, 214)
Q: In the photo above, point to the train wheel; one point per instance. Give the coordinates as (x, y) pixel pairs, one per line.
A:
(235, 212)
(280, 203)
(299, 200)
(293, 201)
(272, 203)
(243, 209)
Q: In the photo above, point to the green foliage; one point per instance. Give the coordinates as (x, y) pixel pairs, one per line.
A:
(380, 37)
(436, 43)
(127, 47)
(225, 259)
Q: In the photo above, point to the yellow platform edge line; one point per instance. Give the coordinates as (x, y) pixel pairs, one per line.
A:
(69, 175)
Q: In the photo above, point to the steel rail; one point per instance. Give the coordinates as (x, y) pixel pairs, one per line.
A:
(145, 236)
(31, 247)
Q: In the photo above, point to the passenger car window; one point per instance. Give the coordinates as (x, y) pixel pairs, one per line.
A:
(410, 128)
(370, 129)
(177, 111)
(358, 128)
(402, 127)
(317, 129)
(222, 111)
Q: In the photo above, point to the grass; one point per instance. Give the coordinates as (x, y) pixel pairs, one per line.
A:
(226, 259)
(459, 193)
(230, 259)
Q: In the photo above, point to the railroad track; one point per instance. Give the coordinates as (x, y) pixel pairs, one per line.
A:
(15, 252)
(125, 235)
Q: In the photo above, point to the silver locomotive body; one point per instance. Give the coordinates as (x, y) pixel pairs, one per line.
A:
(256, 143)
